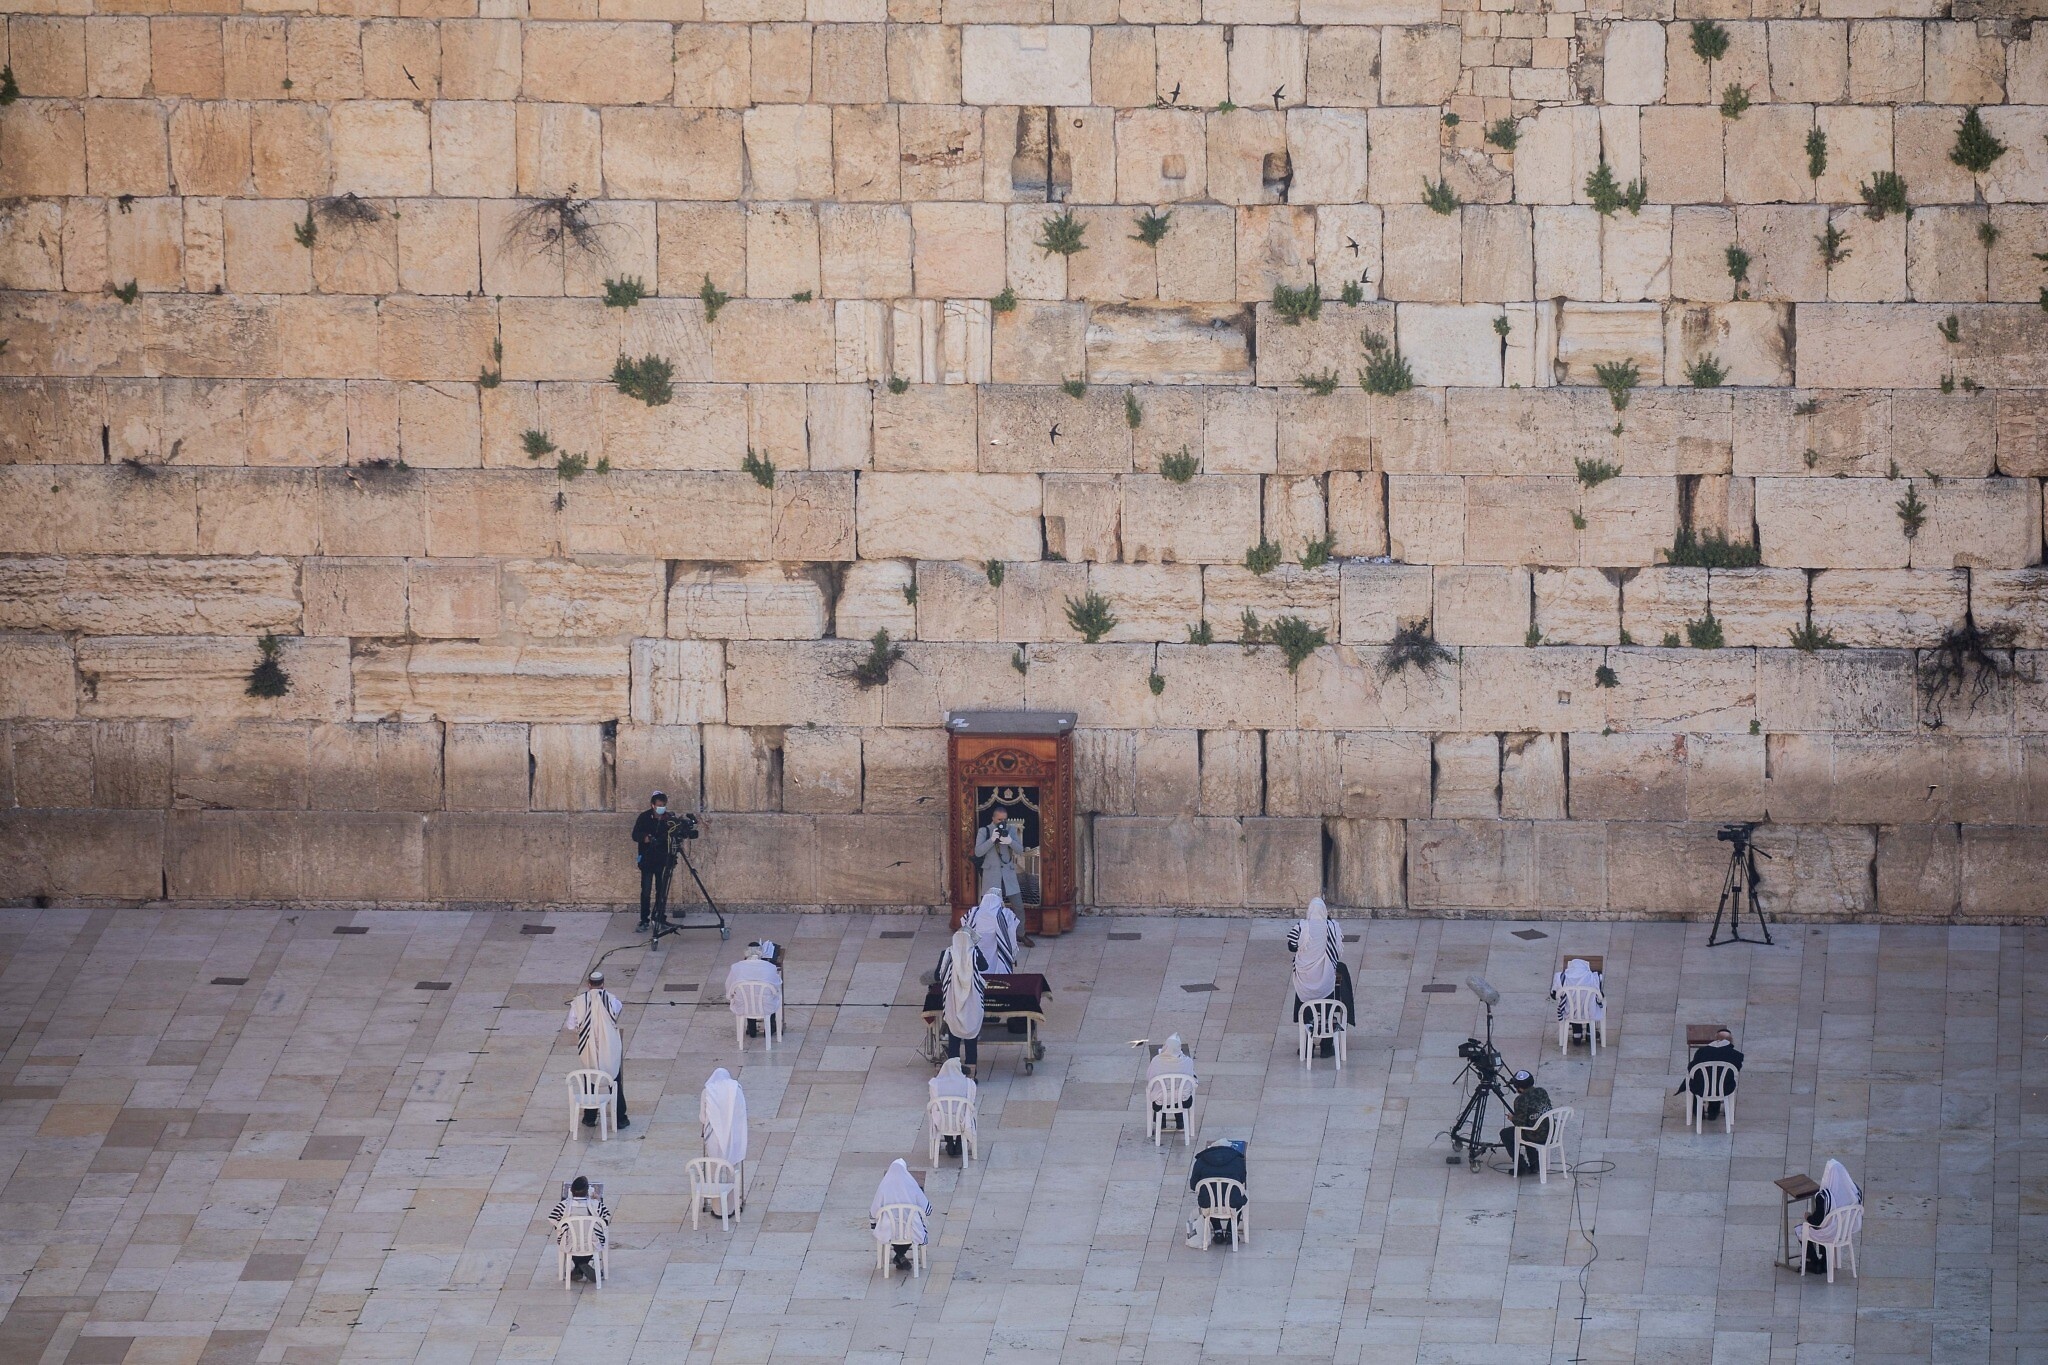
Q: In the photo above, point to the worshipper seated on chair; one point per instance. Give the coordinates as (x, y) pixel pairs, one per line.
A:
(1721, 1049)
(1577, 972)
(1223, 1158)
(1172, 1060)
(1837, 1191)
(580, 1204)
(753, 966)
(722, 1113)
(899, 1186)
(994, 926)
(1532, 1102)
(953, 1083)
(1319, 971)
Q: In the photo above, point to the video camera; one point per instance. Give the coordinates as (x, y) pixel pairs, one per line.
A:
(1737, 834)
(1484, 1057)
(684, 827)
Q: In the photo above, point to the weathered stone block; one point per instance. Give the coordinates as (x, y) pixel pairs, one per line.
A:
(478, 682)
(1211, 519)
(206, 676)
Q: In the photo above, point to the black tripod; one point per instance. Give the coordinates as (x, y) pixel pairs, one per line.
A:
(1484, 1064)
(1739, 887)
(663, 926)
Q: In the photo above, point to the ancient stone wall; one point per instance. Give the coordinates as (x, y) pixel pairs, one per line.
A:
(311, 326)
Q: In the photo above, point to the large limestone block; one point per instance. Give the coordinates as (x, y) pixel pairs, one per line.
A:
(1979, 523)
(1628, 776)
(1860, 690)
(1371, 863)
(1152, 602)
(1106, 771)
(1693, 693)
(1158, 345)
(745, 602)
(1467, 773)
(821, 771)
(665, 758)
(2012, 597)
(47, 764)
(927, 428)
(124, 596)
(1918, 872)
(1030, 428)
(903, 770)
(1527, 521)
(1658, 601)
(1219, 687)
(452, 599)
(1229, 590)
(876, 594)
(1594, 334)
(1889, 608)
(654, 153)
(1034, 343)
(934, 679)
(1346, 688)
(1031, 601)
(249, 765)
(1856, 345)
(1725, 777)
(488, 513)
(949, 516)
(1832, 523)
(881, 860)
(712, 516)
(568, 767)
(773, 341)
(1184, 861)
(1578, 606)
(1378, 599)
(1084, 517)
(761, 859)
(205, 676)
(1211, 519)
(1539, 431)
(1426, 519)
(97, 511)
(1233, 772)
(1358, 515)
(36, 677)
(794, 683)
(382, 766)
(676, 682)
(1471, 864)
(523, 859)
(1758, 607)
(1548, 689)
(2002, 870)
(81, 853)
(742, 768)
(1824, 870)
(1532, 777)
(1303, 776)
(1482, 605)
(1451, 343)
(477, 682)
(558, 598)
(1029, 65)
(1383, 776)
(1103, 684)
(1751, 341)
(1168, 772)
(1327, 342)
(485, 766)
(955, 601)
(1663, 868)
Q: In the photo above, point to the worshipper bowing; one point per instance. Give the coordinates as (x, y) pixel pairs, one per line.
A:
(754, 966)
(899, 1186)
(953, 1083)
(960, 975)
(1720, 1049)
(1532, 1102)
(1172, 1060)
(1319, 971)
(594, 1018)
(1837, 1191)
(994, 926)
(1578, 972)
(580, 1204)
(722, 1110)
(1224, 1159)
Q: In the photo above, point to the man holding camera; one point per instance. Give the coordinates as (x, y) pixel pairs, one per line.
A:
(657, 858)
(995, 849)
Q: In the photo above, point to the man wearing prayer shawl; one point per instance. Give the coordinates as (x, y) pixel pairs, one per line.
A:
(994, 926)
(722, 1110)
(900, 1187)
(580, 1204)
(960, 976)
(953, 1084)
(1721, 1049)
(1837, 1191)
(1225, 1158)
(753, 967)
(1577, 972)
(1172, 1060)
(594, 1018)
(1319, 971)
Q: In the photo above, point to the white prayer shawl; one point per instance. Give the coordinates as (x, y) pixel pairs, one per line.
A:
(1577, 972)
(1841, 1191)
(753, 969)
(900, 1187)
(722, 1110)
(994, 926)
(1315, 957)
(1171, 1061)
(953, 1083)
(595, 1017)
(963, 987)
(580, 1206)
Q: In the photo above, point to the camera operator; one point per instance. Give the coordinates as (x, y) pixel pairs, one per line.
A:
(1532, 1102)
(657, 858)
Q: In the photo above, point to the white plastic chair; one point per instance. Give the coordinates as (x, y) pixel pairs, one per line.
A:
(1320, 1020)
(1836, 1234)
(578, 1237)
(1172, 1093)
(717, 1180)
(952, 1116)
(1213, 1200)
(1553, 1142)
(1581, 1005)
(1716, 1086)
(756, 1000)
(894, 1226)
(592, 1089)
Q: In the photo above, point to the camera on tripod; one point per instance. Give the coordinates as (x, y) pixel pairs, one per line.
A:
(1742, 887)
(1484, 1058)
(1737, 834)
(684, 826)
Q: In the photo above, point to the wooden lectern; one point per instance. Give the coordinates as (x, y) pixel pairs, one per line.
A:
(1024, 762)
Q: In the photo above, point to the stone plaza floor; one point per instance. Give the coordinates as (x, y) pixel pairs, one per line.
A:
(241, 1136)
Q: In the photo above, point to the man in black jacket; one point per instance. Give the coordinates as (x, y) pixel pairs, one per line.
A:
(1532, 1102)
(1721, 1049)
(656, 857)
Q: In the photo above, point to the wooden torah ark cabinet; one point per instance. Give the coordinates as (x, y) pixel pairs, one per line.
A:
(1022, 761)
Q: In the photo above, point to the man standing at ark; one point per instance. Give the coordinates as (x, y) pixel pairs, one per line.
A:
(995, 849)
